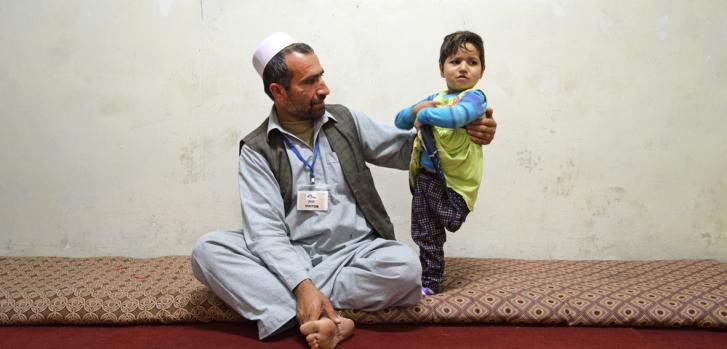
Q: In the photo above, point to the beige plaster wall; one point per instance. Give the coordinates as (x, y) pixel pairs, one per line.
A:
(120, 119)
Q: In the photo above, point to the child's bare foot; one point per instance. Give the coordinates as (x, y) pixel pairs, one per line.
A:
(325, 334)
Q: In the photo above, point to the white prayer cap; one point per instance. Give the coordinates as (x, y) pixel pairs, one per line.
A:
(269, 48)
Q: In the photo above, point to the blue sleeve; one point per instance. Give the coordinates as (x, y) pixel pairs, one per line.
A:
(404, 119)
(472, 104)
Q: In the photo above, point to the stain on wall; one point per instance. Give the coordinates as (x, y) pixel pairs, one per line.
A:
(710, 215)
(566, 179)
(192, 159)
(529, 161)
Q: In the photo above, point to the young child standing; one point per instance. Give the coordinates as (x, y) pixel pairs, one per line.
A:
(446, 166)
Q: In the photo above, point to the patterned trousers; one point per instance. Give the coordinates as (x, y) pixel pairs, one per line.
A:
(432, 211)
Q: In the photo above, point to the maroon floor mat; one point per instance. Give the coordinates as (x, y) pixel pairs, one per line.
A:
(244, 335)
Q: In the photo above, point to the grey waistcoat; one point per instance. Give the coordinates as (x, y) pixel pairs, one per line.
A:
(344, 140)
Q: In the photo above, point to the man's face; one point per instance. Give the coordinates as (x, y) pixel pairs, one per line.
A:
(304, 99)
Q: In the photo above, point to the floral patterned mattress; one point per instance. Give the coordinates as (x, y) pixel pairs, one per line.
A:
(119, 290)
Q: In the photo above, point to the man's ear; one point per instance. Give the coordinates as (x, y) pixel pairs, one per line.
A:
(278, 91)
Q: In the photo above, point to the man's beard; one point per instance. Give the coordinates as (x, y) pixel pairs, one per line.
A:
(313, 111)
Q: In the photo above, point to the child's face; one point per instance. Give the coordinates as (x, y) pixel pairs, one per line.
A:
(463, 69)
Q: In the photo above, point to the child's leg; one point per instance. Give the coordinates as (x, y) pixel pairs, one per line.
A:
(428, 233)
(451, 210)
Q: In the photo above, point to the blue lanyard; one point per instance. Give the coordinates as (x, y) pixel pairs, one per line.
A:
(309, 166)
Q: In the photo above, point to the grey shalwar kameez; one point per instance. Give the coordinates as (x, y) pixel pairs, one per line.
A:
(255, 269)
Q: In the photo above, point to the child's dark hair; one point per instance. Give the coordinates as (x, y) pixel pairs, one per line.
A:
(457, 40)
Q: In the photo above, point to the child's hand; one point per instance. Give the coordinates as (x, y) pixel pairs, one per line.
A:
(419, 107)
(417, 124)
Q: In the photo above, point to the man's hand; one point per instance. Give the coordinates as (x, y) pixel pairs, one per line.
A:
(311, 304)
(482, 130)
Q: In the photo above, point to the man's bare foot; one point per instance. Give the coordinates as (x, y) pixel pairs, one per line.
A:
(325, 334)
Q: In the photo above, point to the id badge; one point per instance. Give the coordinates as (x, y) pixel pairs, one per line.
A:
(312, 198)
